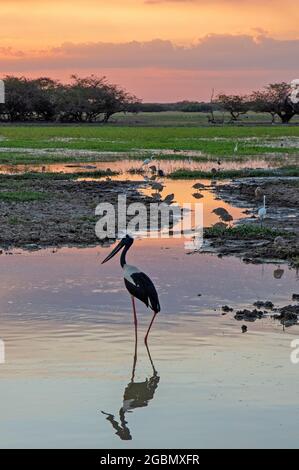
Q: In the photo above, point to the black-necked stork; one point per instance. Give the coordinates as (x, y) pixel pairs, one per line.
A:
(137, 283)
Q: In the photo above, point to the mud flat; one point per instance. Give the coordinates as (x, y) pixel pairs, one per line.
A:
(278, 237)
(54, 210)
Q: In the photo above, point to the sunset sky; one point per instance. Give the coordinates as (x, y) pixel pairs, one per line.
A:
(161, 50)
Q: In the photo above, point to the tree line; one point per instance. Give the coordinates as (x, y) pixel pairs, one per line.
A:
(89, 99)
(93, 99)
(274, 99)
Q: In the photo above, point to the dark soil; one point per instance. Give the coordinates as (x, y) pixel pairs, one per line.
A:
(63, 214)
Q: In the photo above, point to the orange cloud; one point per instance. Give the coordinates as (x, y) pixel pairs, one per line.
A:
(202, 43)
(213, 52)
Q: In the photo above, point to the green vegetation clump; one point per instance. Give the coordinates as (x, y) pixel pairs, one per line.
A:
(244, 232)
(23, 196)
(242, 173)
(57, 176)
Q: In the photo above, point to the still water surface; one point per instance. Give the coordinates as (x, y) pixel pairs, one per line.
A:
(67, 325)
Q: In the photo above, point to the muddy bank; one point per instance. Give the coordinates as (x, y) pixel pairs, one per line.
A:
(278, 237)
(43, 212)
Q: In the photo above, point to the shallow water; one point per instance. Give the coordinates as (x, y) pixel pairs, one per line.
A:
(167, 165)
(66, 321)
(68, 332)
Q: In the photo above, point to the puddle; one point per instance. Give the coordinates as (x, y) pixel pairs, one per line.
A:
(123, 166)
(67, 325)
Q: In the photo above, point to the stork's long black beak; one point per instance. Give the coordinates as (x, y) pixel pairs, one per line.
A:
(114, 251)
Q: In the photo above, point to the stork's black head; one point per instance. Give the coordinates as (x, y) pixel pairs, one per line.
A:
(127, 241)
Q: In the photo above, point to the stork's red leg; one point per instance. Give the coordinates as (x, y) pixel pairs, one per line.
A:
(135, 353)
(147, 333)
(135, 319)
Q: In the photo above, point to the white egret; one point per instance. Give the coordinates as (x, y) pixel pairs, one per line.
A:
(262, 212)
(147, 161)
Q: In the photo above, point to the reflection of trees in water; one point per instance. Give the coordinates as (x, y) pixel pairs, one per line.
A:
(136, 395)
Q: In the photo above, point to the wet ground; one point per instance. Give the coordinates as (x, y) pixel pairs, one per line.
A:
(282, 206)
(64, 213)
(66, 323)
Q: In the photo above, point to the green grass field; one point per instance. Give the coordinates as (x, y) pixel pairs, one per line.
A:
(21, 144)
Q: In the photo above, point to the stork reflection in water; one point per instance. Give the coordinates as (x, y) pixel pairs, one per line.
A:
(137, 283)
(136, 395)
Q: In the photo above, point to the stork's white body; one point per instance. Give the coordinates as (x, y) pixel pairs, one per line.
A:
(128, 271)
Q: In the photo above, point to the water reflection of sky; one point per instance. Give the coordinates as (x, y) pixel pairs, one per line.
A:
(167, 165)
(67, 325)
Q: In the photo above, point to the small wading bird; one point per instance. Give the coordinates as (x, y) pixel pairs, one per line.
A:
(137, 283)
(147, 161)
(157, 186)
(156, 196)
(258, 192)
(169, 199)
(262, 212)
(153, 168)
(197, 195)
(198, 186)
(223, 214)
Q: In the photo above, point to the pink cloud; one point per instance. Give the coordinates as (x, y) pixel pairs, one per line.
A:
(159, 68)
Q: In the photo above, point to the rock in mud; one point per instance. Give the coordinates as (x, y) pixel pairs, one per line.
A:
(267, 305)
(249, 315)
(226, 309)
(288, 315)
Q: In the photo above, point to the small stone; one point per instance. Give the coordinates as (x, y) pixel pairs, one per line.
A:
(244, 328)
(279, 241)
(249, 315)
(267, 304)
(226, 308)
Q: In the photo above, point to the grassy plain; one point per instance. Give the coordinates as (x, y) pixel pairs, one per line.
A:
(49, 143)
